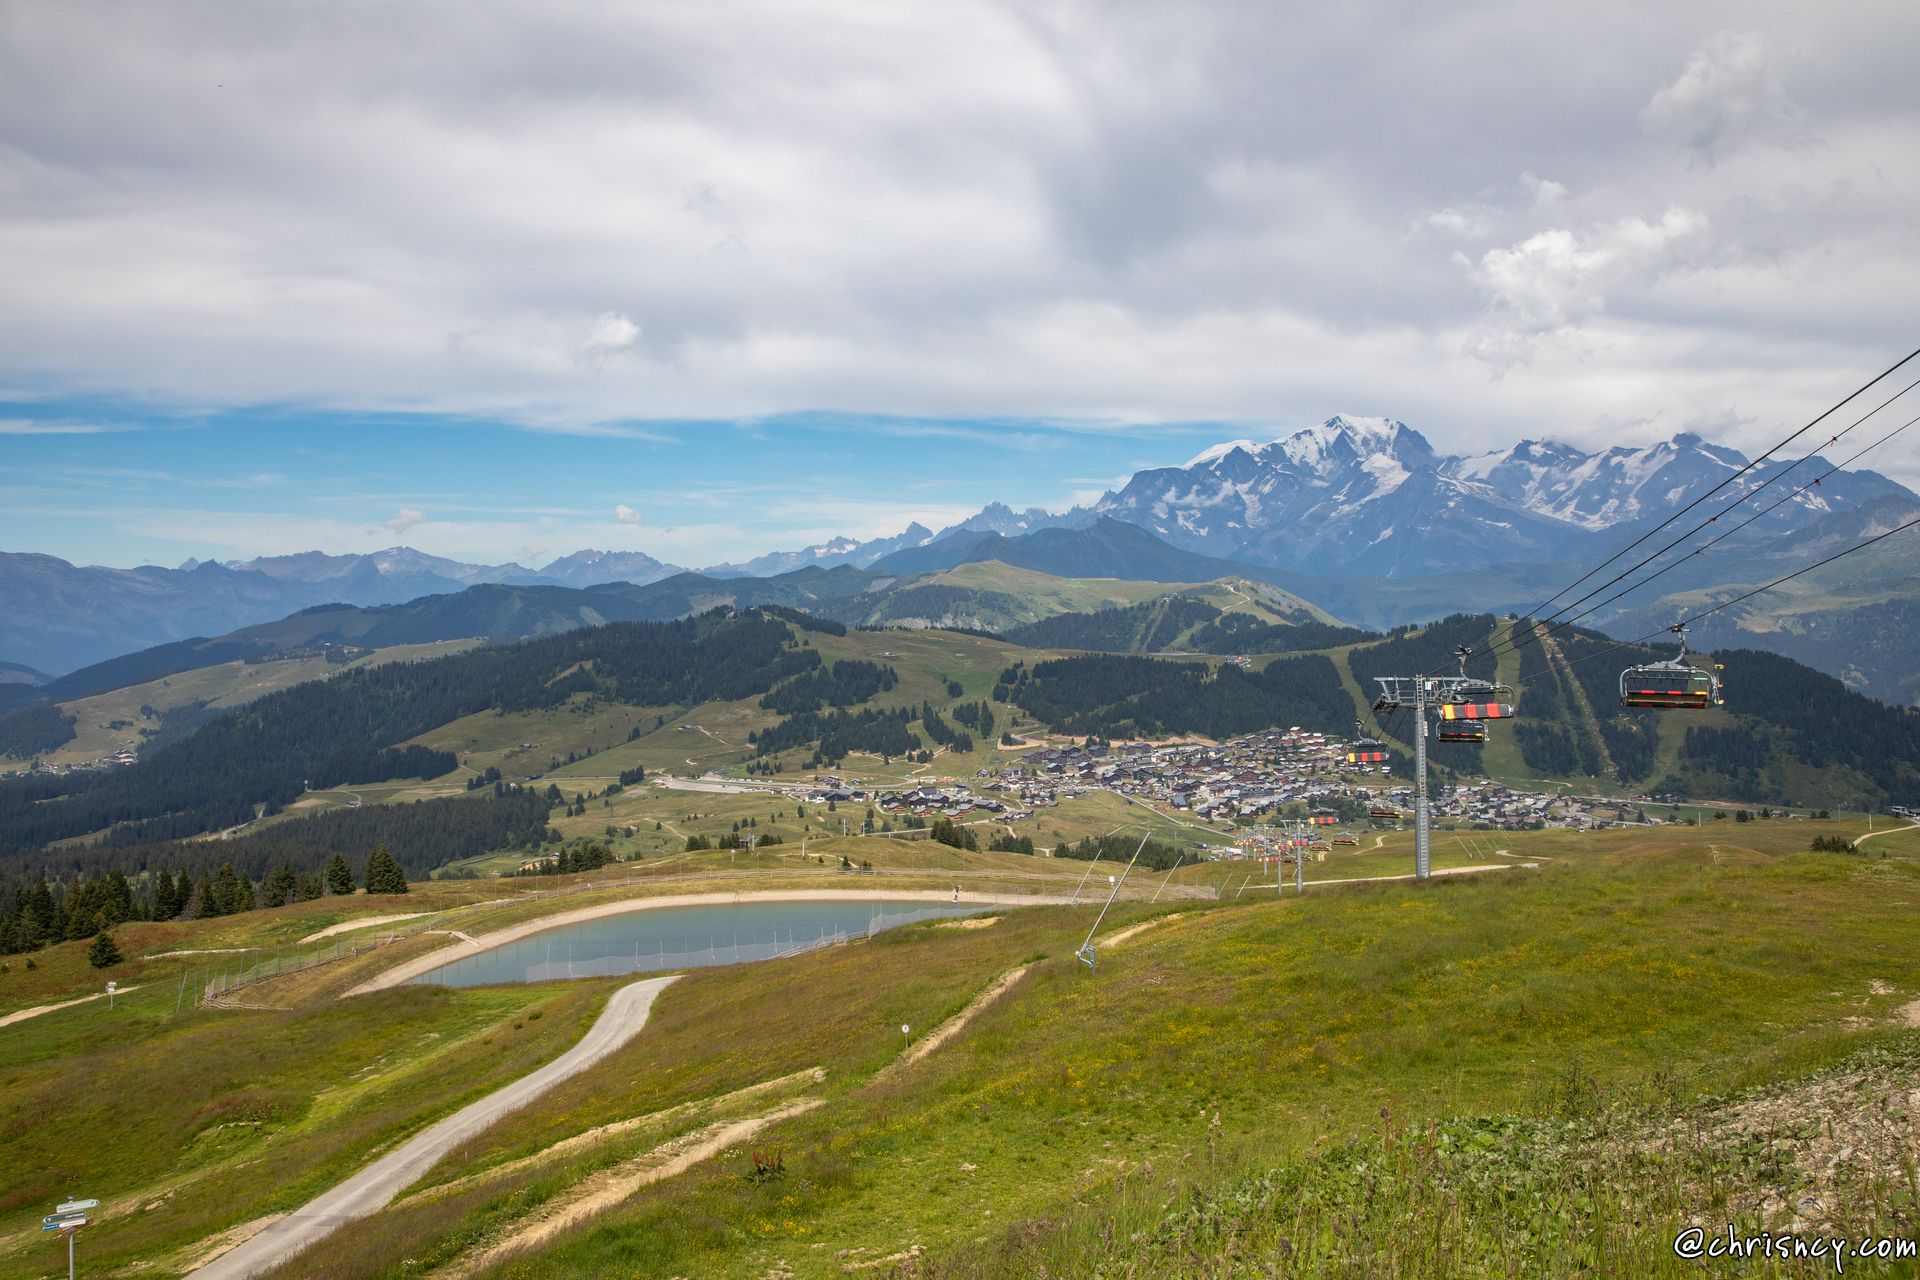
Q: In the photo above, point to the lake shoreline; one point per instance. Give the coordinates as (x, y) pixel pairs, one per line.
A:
(463, 946)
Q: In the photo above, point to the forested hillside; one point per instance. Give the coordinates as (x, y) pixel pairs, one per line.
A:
(320, 734)
(1137, 696)
(1786, 734)
(1180, 622)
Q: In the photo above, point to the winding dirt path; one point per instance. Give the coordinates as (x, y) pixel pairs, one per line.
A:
(21, 1015)
(374, 1186)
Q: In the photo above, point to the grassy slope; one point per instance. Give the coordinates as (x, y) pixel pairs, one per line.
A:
(180, 1123)
(1294, 1023)
(1042, 595)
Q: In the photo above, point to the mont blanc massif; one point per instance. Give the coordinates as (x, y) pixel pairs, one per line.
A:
(1359, 517)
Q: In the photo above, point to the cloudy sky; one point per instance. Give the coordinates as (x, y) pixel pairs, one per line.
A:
(506, 280)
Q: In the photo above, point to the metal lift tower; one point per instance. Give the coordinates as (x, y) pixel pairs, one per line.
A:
(1467, 698)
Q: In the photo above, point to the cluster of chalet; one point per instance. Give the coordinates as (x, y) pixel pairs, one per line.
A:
(832, 789)
(1247, 777)
(949, 801)
(124, 756)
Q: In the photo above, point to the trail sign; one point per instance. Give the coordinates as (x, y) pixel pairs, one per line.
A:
(67, 1223)
(75, 1206)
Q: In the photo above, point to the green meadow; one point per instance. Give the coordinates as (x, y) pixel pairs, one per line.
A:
(1251, 1083)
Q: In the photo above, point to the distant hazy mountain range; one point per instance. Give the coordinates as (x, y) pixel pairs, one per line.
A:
(1360, 516)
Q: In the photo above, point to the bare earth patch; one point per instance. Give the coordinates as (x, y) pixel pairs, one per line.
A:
(1836, 1137)
(969, 922)
(956, 1024)
(605, 1132)
(364, 922)
(605, 1190)
(1132, 931)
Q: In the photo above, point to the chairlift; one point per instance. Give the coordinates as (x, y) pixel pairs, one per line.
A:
(1675, 683)
(1380, 814)
(1472, 731)
(1475, 699)
(1345, 837)
(1365, 750)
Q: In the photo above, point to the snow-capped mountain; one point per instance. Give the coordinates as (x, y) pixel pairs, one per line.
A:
(1370, 496)
(395, 565)
(998, 517)
(834, 551)
(590, 568)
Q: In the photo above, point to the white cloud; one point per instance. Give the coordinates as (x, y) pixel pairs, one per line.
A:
(1560, 277)
(30, 427)
(611, 334)
(1071, 211)
(405, 519)
(625, 514)
(1542, 191)
(1730, 92)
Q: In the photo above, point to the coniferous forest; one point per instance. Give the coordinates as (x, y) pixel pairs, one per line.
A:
(263, 755)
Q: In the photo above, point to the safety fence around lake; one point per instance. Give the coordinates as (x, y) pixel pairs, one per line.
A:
(238, 971)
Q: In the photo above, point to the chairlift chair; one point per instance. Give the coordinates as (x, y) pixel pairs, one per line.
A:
(1385, 815)
(1475, 699)
(1365, 750)
(1461, 731)
(1675, 683)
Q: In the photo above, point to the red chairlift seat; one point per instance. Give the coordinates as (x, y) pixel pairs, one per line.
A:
(1673, 684)
(1476, 710)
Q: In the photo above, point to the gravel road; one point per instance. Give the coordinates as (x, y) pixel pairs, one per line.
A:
(373, 1187)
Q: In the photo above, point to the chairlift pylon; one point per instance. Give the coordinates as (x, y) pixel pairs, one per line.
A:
(1673, 684)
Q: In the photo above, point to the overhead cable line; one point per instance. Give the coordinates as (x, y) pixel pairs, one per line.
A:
(1539, 632)
(1689, 621)
(1836, 407)
(1753, 492)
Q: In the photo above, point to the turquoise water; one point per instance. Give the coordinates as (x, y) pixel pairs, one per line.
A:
(683, 938)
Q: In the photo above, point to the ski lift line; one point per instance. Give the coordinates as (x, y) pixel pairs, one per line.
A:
(1862, 389)
(1689, 621)
(1753, 492)
(1531, 635)
(1778, 503)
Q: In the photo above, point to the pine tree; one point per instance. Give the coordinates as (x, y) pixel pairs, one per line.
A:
(104, 953)
(280, 887)
(232, 892)
(384, 874)
(339, 876)
(166, 900)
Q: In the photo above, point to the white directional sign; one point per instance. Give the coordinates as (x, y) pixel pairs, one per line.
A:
(64, 1223)
(76, 1206)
